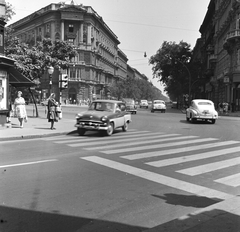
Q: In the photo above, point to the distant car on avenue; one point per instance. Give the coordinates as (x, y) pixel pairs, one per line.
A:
(44, 102)
(144, 103)
(105, 116)
(158, 105)
(130, 105)
(201, 109)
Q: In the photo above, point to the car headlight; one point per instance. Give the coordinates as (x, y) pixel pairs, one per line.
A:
(78, 116)
(104, 118)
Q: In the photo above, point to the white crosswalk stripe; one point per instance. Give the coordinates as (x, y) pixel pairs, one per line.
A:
(205, 155)
(161, 179)
(232, 180)
(197, 170)
(90, 142)
(127, 143)
(160, 146)
(175, 151)
(165, 150)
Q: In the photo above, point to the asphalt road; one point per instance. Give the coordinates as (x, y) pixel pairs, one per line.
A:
(159, 170)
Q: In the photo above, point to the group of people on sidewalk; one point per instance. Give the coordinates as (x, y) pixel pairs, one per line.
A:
(19, 110)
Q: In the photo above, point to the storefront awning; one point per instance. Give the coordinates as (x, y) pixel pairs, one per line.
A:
(17, 79)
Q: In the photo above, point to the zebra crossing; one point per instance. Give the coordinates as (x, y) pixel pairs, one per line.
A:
(157, 150)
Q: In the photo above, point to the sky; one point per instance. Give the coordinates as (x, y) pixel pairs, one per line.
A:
(140, 25)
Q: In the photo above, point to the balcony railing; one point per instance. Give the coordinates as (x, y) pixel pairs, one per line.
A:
(213, 58)
(233, 34)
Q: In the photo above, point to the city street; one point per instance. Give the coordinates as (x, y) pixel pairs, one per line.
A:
(161, 169)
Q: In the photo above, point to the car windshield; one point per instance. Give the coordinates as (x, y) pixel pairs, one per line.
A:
(102, 106)
(129, 101)
(159, 102)
(205, 103)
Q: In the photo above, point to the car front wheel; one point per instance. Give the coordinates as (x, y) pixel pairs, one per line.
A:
(110, 129)
(213, 121)
(81, 131)
(125, 127)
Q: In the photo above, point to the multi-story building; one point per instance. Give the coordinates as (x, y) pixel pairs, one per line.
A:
(220, 34)
(99, 61)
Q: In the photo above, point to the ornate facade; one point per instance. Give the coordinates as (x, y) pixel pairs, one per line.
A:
(99, 61)
(220, 35)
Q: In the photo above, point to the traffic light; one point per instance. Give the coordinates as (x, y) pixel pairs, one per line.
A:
(64, 81)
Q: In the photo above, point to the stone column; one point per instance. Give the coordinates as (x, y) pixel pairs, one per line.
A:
(89, 34)
(81, 33)
(62, 30)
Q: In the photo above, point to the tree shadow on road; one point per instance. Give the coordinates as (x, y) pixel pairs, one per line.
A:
(22, 220)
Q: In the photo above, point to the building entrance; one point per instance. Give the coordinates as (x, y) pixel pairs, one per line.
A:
(72, 96)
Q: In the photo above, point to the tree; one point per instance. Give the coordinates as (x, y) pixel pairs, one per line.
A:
(9, 12)
(171, 64)
(33, 61)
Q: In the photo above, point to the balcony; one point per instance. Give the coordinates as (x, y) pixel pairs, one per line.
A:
(233, 35)
(212, 58)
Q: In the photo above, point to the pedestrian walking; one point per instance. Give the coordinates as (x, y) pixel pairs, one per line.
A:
(20, 109)
(52, 114)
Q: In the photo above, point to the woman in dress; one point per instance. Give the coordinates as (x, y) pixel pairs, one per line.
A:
(20, 109)
(52, 114)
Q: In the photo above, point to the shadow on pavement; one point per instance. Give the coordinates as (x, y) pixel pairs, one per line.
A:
(204, 221)
(186, 200)
(21, 220)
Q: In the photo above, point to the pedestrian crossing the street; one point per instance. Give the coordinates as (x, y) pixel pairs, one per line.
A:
(187, 156)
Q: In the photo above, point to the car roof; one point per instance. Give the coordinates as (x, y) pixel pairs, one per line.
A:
(107, 101)
(159, 100)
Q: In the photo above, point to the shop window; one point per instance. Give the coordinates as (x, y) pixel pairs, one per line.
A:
(71, 41)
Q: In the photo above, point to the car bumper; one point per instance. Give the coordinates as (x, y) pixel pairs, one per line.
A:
(93, 126)
(205, 117)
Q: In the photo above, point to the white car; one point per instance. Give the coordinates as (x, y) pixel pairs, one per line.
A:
(201, 109)
(158, 105)
(144, 103)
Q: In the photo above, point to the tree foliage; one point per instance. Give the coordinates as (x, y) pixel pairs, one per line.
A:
(172, 66)
(136, 89)
(32, 61)
(9, 12)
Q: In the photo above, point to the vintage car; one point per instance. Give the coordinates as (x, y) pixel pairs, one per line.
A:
(103, 115)
(143, 103)
(201, 109)
(130, 105)
(158, 105)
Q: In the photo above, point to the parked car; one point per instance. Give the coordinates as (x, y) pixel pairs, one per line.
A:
(144, 103)
(105, 116)
(130, 105)
(174, 104)
(201, 109)
(158, 105)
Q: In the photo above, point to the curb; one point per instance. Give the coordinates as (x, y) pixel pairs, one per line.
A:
(20, 137)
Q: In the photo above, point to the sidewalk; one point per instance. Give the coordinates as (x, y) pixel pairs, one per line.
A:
(36, 127)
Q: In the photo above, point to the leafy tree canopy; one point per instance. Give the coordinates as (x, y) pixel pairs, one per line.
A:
(171, 64)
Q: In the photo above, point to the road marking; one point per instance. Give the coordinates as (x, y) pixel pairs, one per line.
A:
(233, 180)
(140, 148)
(199, 156)
(194, 171)
(176, 151)
(157, 178)
(29, 163)
(93, 141)
(114, 136)
(126, 143)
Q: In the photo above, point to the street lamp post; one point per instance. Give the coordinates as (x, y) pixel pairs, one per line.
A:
(50, 72)
(189, 80)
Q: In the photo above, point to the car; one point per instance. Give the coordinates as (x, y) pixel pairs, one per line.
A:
(144, 103)
(201, 109)
(130, 105)
(158, 105)
(174, 104)
(104, 116)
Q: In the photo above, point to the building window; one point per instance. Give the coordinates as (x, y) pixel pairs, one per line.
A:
(48, 28)
(39, 31)
(85, 34)
(71, 28)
